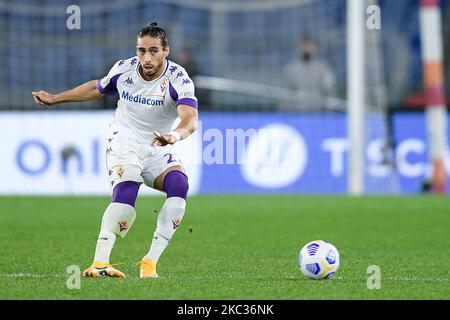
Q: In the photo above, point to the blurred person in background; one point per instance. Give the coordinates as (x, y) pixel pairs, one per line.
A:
(184, 58)
(310, 77)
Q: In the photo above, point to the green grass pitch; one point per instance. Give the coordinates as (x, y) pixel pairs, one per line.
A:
(231, 247)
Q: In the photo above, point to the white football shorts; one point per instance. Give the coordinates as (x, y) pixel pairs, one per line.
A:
(129, 160)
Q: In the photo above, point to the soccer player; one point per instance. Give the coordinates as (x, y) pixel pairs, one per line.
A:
(153, 92)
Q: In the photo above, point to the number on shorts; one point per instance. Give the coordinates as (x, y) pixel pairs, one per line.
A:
(170, 158)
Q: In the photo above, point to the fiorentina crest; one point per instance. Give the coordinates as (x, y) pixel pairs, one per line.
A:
(176, 223)
(163, 85)
(123, 225)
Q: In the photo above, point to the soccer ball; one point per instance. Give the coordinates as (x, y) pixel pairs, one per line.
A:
(318, 260)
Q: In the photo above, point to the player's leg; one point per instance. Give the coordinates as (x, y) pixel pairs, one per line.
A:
(174, 182)
(120, 213)
(117, 220)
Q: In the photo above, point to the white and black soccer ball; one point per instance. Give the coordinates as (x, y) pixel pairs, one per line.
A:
(318, 260)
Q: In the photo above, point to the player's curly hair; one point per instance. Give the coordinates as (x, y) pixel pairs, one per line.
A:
(152, 30)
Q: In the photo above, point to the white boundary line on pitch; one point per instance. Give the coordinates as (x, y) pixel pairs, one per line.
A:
(340, 278)
(417, 279)
(31, 275)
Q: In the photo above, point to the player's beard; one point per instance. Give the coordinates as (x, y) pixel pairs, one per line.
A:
(149, 73)
(153, 71)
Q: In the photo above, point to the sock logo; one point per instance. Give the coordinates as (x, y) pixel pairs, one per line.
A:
(176, 223)
(123, 225)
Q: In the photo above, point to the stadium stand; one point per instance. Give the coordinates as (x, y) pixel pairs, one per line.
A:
(236, 41)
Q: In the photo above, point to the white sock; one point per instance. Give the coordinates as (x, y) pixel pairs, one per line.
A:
(117, 220)
(105, 243)
(169, 219)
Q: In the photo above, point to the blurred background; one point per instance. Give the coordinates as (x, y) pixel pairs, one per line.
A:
(270, 66)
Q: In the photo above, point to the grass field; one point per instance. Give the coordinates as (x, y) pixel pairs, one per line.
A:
(231, 247)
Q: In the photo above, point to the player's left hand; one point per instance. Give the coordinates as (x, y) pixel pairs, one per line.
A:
(164, 139)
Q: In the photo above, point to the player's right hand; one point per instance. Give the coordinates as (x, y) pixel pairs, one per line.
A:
(43, 98)
(163, 140)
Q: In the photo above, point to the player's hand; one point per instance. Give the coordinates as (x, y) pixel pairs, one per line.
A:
(164, 139)
(43, 98)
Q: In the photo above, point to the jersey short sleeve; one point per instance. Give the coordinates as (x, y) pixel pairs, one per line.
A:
(108, 84)
(182, 89)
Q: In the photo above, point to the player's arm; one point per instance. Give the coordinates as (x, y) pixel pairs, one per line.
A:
(187, 126)
(84, 92)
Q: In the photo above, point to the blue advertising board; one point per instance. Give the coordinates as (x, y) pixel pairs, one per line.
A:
(308, 154)
(231, 153)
